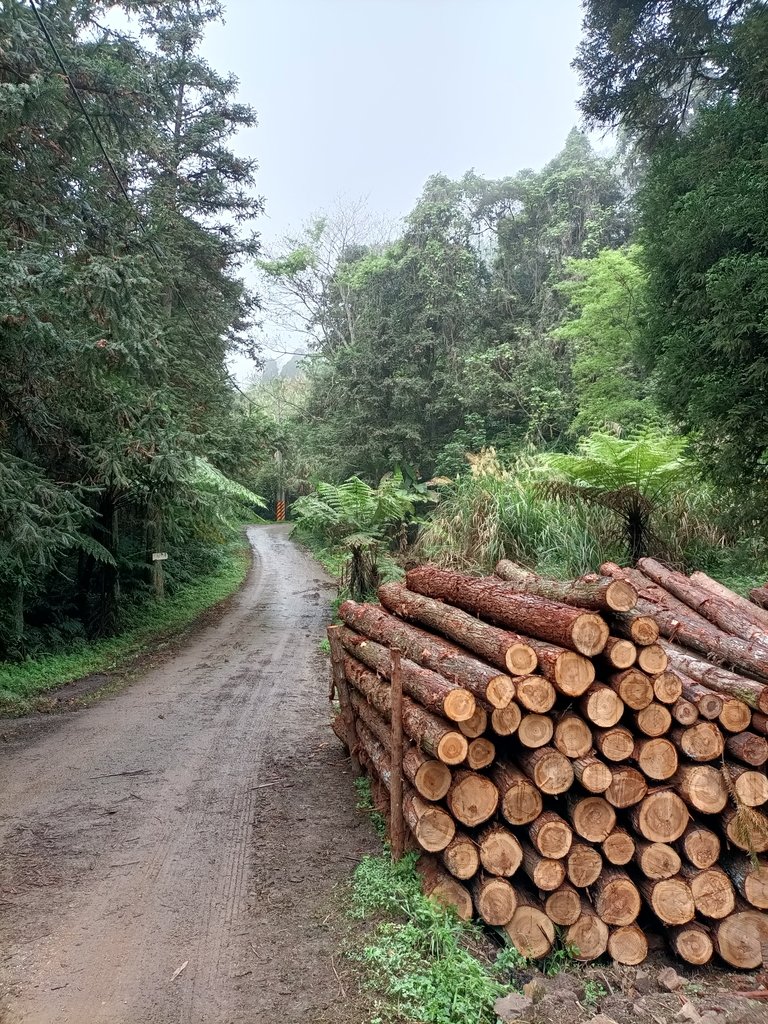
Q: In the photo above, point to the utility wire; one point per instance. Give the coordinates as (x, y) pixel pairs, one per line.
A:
(124, 192)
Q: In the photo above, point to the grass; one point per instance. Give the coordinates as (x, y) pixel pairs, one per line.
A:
(21, 683)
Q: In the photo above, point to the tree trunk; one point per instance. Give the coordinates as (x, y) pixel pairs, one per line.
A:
(749, 748)
(657, 860)
(594, 593)
(750, 787)
(627, 788)
(583, 865)
(429, 651)
(593, 774)
(750, 879)
(656, 758)
(548, 769)
(545, 872)
(601, 705)
(472, 798)
(592, 817)
(654, 720)
(700, 742)
(551, 835)
(741, 938)
(759, 596)
(530, 931)
(561, 624)
(619, 847)
(521, 800)
(572, 735)
(494, 900)
(720, 680)
(589, 935)
(461, 857)
(758, 616)
(535, 693)
(671, 899)
(702, 787)
(563, 906)
(667, 687)
(634, 688)
(617, 900)
(700, 845)
(692, 943)
(628, 945)
(684, 713)
(506, 721)
(481, 753)
(440, 886)
(661, 817)
(535, 730)
(760, 723)
(500, 852)
(431, 733)
(618, 653)
(506, 651)
(712, 892)
(431, 690)
(615, 744)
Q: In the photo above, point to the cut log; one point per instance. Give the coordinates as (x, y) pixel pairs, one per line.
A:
(746, 828)
(477, 724)
(588, 937)
(708, 703)
(749, 748)
(657, 860)
(472, 798)
(583, 865)
(535, 693)
(759, 596)
(619, 653)
(500, 851)
(432, 691)
(736, 716)
(713, 894)
(461, 857)
(551, 835)
(700, 845)
(551, 621)
(593, 774)
(721, 680)
(505, 721)
(619, 847)
(572, 736)
(652, 659)
(530, 931)
(548, 769)
(702, 787)
(654, 720)
(670, 899)
(750, 787)
(684, 713)
(429, 651)
(521, 800)
(668, 688)
(495, 900)
(692, 943)
(661, 817)
(507, 651)
(634, 688)
(627, 788)
(481, 753)
(617, 900)
(563, 906)
(700, 742)
(535, 730)
(546, 873)
(595, 593)
(741, 938)
(601, 705)
(641, 628)
(656, 758)
(441, 887)
(615, 744)
(432, 734)
(758, 615)
(750, 878)
(592, 817)
(628, 945)
(760, 723)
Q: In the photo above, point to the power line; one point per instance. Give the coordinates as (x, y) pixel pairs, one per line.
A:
(124, 192)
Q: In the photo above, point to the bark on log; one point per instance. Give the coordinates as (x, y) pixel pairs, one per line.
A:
(652, 659)
(656, 758)
(667, 687)
(507, 651)
(712, 892)
(530, 931)
(750, 787)
(563, 906)
(341, 686)
(535, 693)
(736, 716)
(661, 817)
(441, 887)
(747, 608)
(594, 593)
(700, 742)
(481, 753)
(472, 798)
(431, 690)
(708, 703)
(548, 769)
(572, 736)
(546, 873)
(521, 800)
(746, 828)
(619, 847)
(617, 900)
(551, 621)
(601, 705)
(500, 851)
(684, 713)
(700, 845)
(592, 774)
(551, 835)
(431, 733)
(628, 787)
(759, 596)
(670, 899)
(619, 653)
(702, 787)
(628, 945)
(750, 879)
(692, 943)
(721, 680)
(592, 817)
(476, 725)
(654, 720)
(657, 860)
(461, 857)
(583, 865)
(615, 744)
(760, 723)
(588, 936)
(505, 721)
(749, 748)
(639, 627)
(634, 687)
(495, 900)
(535, 730)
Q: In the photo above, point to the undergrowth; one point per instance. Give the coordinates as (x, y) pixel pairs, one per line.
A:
(21, 682)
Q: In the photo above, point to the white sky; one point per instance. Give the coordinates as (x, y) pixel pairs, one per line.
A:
(367, 98)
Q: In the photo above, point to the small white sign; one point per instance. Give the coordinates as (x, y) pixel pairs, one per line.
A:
(159, 556)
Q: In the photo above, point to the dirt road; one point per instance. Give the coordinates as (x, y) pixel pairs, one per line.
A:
(201, 817)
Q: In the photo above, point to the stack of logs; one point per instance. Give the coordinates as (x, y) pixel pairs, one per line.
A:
(572, 755)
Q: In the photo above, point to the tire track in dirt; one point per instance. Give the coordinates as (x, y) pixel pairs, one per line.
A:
(222, 848)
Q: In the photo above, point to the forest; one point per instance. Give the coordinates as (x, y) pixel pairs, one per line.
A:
(563, 366)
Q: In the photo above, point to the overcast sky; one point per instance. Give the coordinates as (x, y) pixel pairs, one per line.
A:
(367, 98)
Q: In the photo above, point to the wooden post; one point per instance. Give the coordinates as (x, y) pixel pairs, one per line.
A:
(396, 758)
(340, 685)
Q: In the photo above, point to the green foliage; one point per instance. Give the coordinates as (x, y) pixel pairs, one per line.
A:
(593, 993)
